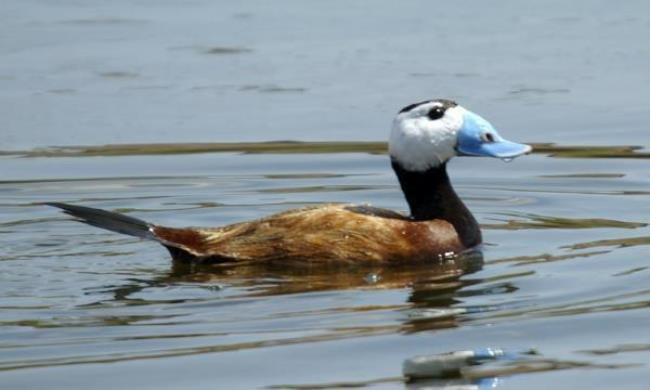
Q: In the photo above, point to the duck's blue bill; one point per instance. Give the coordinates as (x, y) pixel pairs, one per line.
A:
(477, 137)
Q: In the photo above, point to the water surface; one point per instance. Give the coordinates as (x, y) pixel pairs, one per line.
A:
(130, 71)
(564, 271)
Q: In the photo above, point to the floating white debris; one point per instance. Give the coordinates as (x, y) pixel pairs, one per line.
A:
(448, 364)
(436, 313)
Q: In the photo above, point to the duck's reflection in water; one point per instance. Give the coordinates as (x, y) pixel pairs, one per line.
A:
(294, 278)
(432, 287)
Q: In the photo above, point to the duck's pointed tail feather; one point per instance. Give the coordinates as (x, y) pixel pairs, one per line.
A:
(108, 220)
(181, 243)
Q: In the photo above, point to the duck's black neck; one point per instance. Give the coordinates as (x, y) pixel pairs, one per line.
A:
(430, 196)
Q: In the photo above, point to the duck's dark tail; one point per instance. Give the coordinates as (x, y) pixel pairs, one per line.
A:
(183, 244)
(108, 220)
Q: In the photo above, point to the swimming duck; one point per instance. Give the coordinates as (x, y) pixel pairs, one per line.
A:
(424, 137)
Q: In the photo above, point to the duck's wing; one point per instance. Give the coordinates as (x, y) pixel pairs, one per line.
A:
(328, 233)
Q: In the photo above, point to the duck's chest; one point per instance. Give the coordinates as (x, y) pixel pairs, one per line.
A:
(421, 241)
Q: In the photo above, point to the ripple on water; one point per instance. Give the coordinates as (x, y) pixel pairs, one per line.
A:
(558, 273)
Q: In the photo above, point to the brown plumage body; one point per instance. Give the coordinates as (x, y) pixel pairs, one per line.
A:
(321, 234)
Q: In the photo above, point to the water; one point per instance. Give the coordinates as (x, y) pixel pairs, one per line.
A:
(132, 71)
(564, 270)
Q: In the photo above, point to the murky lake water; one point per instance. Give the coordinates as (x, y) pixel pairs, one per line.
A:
(564, 270)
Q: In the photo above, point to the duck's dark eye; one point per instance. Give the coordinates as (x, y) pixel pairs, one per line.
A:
(436, 113)
(488, 137)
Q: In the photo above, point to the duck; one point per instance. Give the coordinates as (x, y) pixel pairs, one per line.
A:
(424, 137)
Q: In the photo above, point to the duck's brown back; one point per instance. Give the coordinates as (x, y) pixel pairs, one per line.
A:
(327, 233)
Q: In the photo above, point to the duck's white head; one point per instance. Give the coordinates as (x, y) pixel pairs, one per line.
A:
(427, 134)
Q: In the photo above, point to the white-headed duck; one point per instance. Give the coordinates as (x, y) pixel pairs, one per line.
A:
(424, 137)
